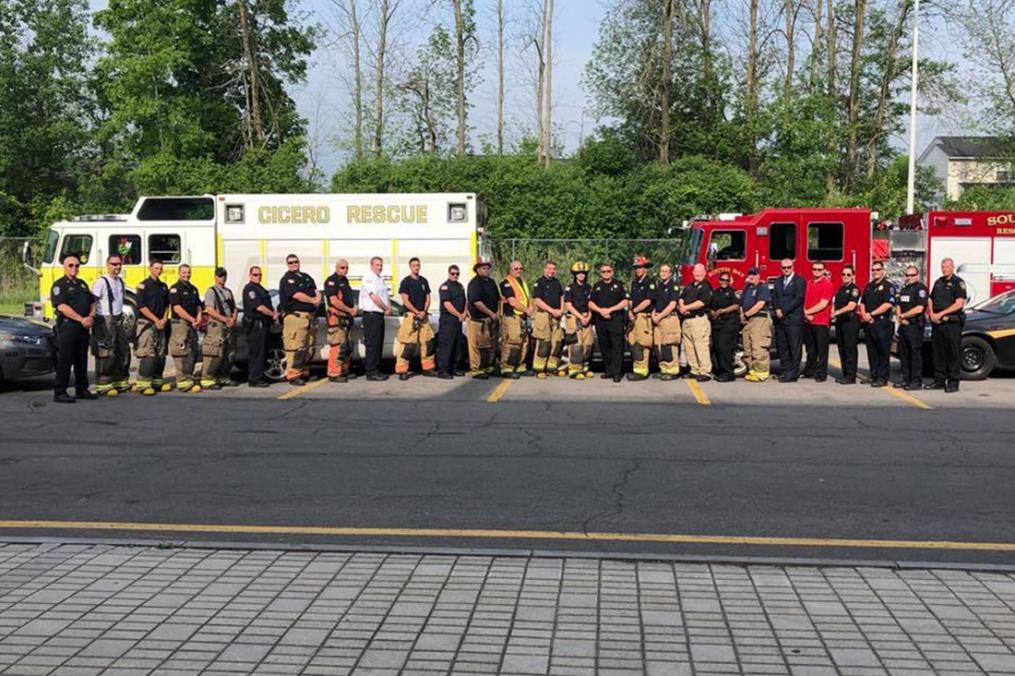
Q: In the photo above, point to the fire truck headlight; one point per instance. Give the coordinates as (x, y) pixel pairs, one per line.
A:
(457, 213)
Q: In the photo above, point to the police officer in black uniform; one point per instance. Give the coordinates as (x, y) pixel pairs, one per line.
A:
(258, 316)
(724, 310)
(947, 316)
(847, 325)
(74, 305)
(608, 303)
(449, 327)
(876, 314)
(910, 310)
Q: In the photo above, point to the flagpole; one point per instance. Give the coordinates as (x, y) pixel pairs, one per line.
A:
(911, 188)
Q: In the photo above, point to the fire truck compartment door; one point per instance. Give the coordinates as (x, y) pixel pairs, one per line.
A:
(972, 263)
(1004, 259)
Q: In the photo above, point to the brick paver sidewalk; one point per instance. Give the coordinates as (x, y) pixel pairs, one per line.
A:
(80, 609)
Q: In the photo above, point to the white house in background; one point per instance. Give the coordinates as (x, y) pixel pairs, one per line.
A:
(965, 161)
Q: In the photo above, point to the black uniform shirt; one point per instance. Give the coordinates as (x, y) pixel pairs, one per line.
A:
(453, 292)
(847, 293)
(643, 289)
(578, 295)
(416, 289)
(722, 299)
(666, 293)
(608, 294)
(254, 296)
(549, 290)
(186, 296)
(876, 294)
(910, 296)
(696, 291)
(72, 292)
(484, 290)
(154, 295)
(508, 291)
(947, 291)
(296, 282)
(337, 285)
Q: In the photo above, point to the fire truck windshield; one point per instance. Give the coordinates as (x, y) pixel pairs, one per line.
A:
(694, 246)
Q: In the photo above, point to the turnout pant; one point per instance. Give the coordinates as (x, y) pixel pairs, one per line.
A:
(339, 350)
(946, 346)
(415, 339)
(724, 341)
(757, 337)
(548, 343)
(879, 348)
(449, 336)
(910, 354)
(514, 345)
(183, 350)
(639, 338)
(151, 352)
(373, 337)
(482, 339)
(787, 341)
(611, 346)
(578, 339)
(816, 341)
(112, 353)
(847, 338)
(299, 338)
(667, 338)
(71, 352)
(215, 354)
(697, 344)
(257, 349)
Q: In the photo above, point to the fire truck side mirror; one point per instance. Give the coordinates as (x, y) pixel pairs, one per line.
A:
(712, 254)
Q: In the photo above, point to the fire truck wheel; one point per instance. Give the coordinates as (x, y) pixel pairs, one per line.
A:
(978, 358)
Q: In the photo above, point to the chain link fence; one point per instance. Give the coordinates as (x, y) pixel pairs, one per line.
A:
(18, 284)
(620, 252)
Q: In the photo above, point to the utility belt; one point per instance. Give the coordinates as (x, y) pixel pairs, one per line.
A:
(344, 320)
(957, 318)
(886, 317)
(758, 314)
(696, 314)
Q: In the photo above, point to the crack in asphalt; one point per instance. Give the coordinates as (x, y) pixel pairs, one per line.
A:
(617, 490)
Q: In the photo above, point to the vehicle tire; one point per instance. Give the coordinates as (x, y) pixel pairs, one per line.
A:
(977, 358)
(274, 369)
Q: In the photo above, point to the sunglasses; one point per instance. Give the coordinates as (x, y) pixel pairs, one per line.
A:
(912, 274)
(73, 265)
(878, 269)
(847, 274)
(787, 267)
(116, 265)
(724, 281)
(343, 267)
(255, 274)
(291, 262)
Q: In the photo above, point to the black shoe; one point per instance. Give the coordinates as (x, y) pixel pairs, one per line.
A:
(430, 374)
(481, 376)
(934, 386)
(636, 377)
(86, 395)
(667, 376)
(404, 376)
(807, 374)
(618, 378)
(312, 379)
(900, 385)
(443, 376)
(657, 376)
(338, 379)
(377, 377)
(510, 375)
(912, 387)
(724, 379)
(63, 398)
(528, 373)
(459, 373)
(878, 383)
(846, 381)
(951, 387)
(259, 383)
(216, 386)
(787, 380)
(703, 378)
(295, 382)
(605, 376)
(820, 379)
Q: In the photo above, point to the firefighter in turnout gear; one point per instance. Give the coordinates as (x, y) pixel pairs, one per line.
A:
(220, 306)
(483, 304)
(152, 303)
(696, 329)
(341, 311)
(666, 325)
(298, 301)
(415, 335)
(578, 322)
(639, 336)
(947, 314)
(756, 333)
(185, 311)
(910, 311)
(516, 309)
(110, 343)
(548, 336)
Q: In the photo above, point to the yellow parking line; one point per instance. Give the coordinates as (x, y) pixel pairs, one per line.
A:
(510, 535)
(499, 391)
(904, 396)
(699, 393)
(297, 391)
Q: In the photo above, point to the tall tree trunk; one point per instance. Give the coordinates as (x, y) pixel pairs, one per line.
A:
(500, 77)
(832, 56)
(460, 74)
(540, 44)
(816, 47)
(548, 99)
(789, 10)
(357, 93)
(751, 87)
(382, 46)
(888, 76)
(664, 82)
(254, 119)
(854, 90)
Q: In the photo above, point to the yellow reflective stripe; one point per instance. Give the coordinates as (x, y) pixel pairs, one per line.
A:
(1005, 333)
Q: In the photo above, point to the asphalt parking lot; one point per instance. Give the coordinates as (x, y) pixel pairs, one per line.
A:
(665, 468)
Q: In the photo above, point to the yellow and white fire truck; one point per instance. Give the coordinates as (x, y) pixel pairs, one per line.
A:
(237, 231)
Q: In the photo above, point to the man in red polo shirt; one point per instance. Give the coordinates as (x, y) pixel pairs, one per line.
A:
(817, 317)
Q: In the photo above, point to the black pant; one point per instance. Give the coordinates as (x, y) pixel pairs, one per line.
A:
(946, 346)
(71, 351)
(449, 336)
(910, 352)
(611, 346)
(724, 345)
(879, 348)
(816, 340)
(787, 340)
(257, 350)
(847, 337)
(373, 336)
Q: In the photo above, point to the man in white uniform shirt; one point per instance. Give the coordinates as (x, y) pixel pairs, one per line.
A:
(109, 336)
(374, 303)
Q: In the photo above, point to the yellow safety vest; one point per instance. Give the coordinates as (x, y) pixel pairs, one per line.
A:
(521, 292)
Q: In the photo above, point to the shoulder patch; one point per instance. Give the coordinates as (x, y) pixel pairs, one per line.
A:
(856, 292)
(140, 286)
(56, 289)
(567, 288)
(923, 293)
(962, 285)
(330, 283)
(252, 295)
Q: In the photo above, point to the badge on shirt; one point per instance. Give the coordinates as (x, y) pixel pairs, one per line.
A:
(173, 290)
(904, 299)
(881, 287)
(651, 286)
(444, 288)
(290, 280)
